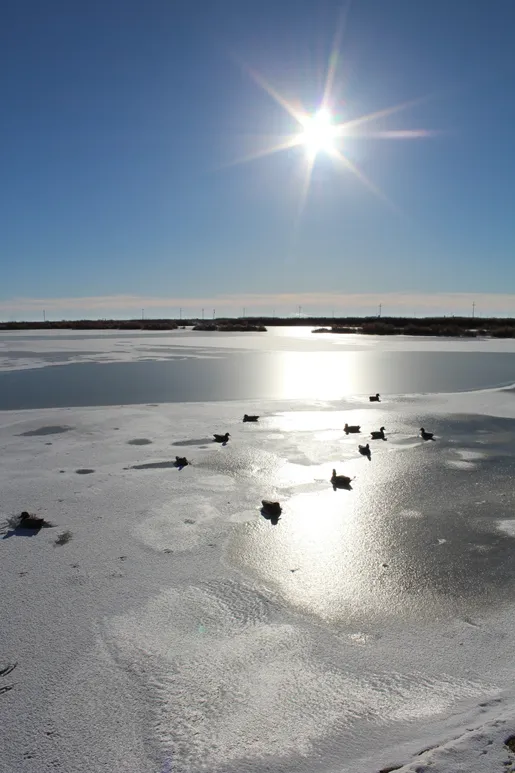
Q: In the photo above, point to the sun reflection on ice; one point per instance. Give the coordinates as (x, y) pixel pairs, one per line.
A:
(321, 376)
(316, 554)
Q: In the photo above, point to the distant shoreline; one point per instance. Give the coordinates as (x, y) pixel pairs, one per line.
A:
(448, 327)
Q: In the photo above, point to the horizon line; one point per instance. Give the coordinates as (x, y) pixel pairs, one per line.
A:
(283, 304)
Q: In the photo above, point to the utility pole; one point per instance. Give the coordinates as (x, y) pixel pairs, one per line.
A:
(214, 310)
(244, 311)
(44, 316)
(202, 313)
(380, 309)
(473, 309)
(300, 307)
(180, 314)
(142, 313)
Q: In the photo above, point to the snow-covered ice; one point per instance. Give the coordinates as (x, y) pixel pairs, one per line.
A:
(179, 630)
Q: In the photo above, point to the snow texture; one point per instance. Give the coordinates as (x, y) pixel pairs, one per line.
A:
(177, 629)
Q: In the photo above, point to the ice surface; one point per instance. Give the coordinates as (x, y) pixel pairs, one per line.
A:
(481, 750)
(32, 349)
(179, 630)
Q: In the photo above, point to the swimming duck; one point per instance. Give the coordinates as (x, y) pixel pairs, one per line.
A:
(181, 461)
(378, 434)
(340, 481)
(426, 435)
(352, 428)
(250, 418)
(365, 451)
(221, 438)
(375, 398)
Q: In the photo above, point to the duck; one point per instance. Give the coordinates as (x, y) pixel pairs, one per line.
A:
(271, 509)
(340, 481)
(28, 521)
(365, 451)
(426, 435)
(375, 398)
(378, 434)
(250, 418)
(352, 428)
(221, 438)
(181, 461)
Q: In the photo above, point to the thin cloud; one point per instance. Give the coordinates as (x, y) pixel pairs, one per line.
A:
(283, 303)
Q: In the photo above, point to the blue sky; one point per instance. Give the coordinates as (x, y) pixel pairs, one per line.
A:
(121, 120)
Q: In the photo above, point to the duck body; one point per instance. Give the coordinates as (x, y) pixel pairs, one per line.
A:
(221, 438)
(378, 434)
(375, 398)
(28, 521)
(365, 451)
(352, 428)
(272, 509)
(181, 461)
(340, 481)
(250, 418)
(426, 435)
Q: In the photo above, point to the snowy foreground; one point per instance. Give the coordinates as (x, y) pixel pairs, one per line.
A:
(176, 629)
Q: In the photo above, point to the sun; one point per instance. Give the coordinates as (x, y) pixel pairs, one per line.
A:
(319, 133)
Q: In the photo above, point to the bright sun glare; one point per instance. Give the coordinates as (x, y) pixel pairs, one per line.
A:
(319, 133)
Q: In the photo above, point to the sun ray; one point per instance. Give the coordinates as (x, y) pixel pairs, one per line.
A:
(304, 190)
(400, 134)
(336, 154)
(298, 115)
(334, 56)
(292, 141)
(380, 114)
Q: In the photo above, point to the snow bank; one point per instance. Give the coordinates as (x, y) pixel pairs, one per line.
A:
(480, 750)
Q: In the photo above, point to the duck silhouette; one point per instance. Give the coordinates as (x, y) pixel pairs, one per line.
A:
(378, 434)
(341, 481)
(271, 510)
(365, 451)
(32, 522)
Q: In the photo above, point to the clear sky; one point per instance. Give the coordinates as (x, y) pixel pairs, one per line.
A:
(121, 119)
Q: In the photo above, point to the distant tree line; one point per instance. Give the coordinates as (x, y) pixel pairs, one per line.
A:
(461, 327)
(93, 324)
(449, 327)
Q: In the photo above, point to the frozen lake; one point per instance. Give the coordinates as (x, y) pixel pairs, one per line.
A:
(66, 370)
(178, 630)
